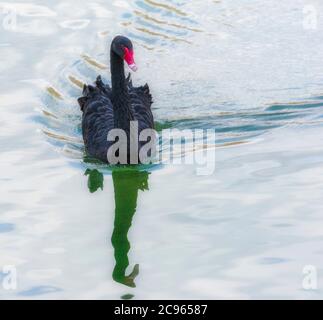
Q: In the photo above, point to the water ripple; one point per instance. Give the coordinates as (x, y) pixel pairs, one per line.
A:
(154, 25)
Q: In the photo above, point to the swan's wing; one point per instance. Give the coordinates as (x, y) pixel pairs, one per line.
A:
(142, 92)
(141, 101)
(97, 120)
(104, 88)
(89, 92)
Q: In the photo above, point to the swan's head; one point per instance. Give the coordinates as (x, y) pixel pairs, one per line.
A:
(122, 46)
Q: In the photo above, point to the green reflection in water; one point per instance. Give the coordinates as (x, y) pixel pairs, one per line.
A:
(95, 180)
(126, 184)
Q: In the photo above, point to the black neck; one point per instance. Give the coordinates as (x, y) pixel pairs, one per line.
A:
(120, 96)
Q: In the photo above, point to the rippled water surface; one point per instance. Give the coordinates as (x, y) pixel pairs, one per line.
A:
(77, 229)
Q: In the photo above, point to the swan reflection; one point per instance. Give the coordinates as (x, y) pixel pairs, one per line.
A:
(127, 183)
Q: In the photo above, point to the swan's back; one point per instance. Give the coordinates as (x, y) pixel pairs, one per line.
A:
(98, 117)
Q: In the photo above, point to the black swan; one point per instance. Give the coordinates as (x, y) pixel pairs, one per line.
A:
(106, 108)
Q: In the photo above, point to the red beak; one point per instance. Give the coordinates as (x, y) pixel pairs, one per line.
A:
(128, 57)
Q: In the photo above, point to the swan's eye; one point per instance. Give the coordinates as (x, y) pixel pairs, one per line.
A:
(128, 57)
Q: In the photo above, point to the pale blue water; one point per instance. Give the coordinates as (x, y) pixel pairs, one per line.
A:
(249, 70)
